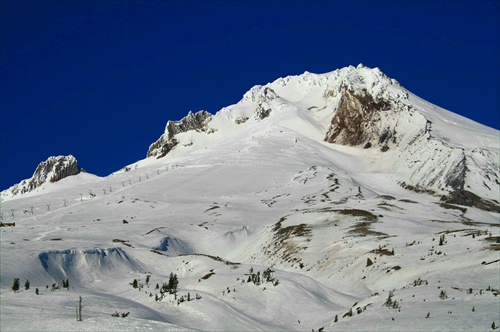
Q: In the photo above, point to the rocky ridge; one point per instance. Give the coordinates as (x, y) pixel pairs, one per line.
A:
(167, 141)
(52, 170)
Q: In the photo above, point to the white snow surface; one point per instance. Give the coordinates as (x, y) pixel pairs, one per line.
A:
(333, 224)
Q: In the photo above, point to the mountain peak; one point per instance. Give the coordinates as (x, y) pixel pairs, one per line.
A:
(392, 130)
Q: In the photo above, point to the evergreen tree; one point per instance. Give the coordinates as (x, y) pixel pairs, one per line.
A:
(65, 283)
(172, 283)
(15, 285)
(36, 291)
(442, 240)
(27, 284)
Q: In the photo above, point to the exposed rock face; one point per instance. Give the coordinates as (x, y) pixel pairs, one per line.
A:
(374, 111)
(193, 121)
(367, 113)
(51, 170)
(467, 198)
(356, 120)
(263, 110)
(56, 168)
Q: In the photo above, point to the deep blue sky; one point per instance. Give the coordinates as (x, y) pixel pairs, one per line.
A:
(99, 79)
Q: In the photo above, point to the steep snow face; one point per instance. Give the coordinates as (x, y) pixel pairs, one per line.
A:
(390, 129)
(49, 171)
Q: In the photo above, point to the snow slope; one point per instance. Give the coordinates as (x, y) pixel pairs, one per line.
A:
(271, 223)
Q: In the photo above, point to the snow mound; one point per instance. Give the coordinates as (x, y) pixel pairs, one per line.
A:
(88, 265)
(174, 246)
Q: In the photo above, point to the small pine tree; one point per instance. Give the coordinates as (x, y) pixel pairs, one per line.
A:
(15, 285)
(389, 302)
(27, 285)
(172, 283)
(369, 262)
(36, 291)
(135, 283)
(473, 308)
(493, 326)
(65, 283)
(336, 319)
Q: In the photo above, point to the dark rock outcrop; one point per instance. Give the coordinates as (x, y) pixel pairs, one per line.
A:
(263, 110)
(356, 120)
(51, 170)
(467, 198)
(193, 121)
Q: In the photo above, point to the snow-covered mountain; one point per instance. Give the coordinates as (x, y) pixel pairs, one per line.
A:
(319, 201)
(363, 108)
